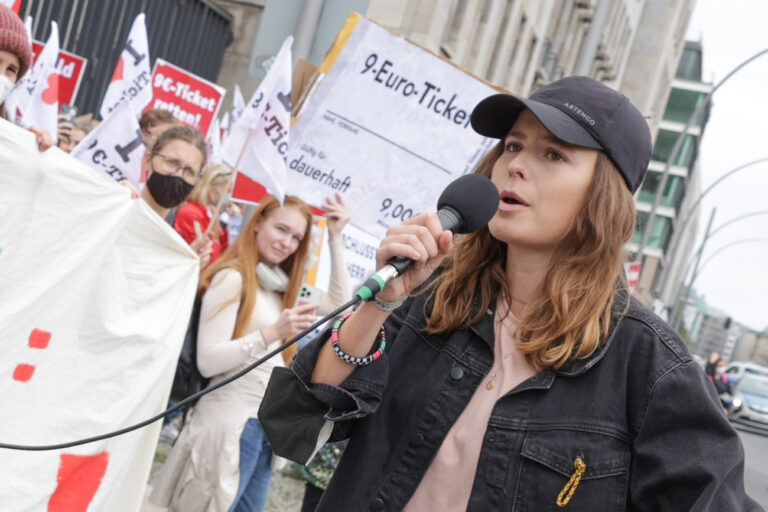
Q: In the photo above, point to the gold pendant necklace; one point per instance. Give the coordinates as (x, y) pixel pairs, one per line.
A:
(491, 381)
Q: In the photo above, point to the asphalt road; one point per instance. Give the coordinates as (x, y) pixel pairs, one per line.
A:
(756, 465)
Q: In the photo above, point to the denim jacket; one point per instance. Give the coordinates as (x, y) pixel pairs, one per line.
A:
(639, 412)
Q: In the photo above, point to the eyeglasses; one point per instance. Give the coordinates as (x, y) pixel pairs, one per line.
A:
(173, 165)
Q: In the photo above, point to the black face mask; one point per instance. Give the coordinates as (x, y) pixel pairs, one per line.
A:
(168, 191)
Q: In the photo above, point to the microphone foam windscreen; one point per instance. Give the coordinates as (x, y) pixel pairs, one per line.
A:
(474, 197)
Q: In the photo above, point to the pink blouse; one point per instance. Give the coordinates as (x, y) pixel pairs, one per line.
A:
(447, 484)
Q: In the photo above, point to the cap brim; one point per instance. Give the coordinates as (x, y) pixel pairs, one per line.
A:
(495, 116)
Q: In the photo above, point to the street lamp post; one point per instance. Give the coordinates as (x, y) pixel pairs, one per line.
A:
(678, 308)
(676, 150)
(674, 242)
(677, 291)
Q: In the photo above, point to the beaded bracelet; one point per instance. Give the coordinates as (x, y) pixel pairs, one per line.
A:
(359, 361)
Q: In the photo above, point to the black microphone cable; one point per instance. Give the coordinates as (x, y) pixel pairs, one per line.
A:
(467, 204)
(358, 298)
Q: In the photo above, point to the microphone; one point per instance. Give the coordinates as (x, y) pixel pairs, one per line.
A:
(467, 204)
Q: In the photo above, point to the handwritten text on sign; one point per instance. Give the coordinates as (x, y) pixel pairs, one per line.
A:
(388, 127)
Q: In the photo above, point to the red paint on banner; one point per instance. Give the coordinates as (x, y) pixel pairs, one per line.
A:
(51, 94)
(39, 339)
(23, 372)
(78, 480)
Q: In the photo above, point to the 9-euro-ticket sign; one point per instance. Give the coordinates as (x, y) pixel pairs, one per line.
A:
(387, 128)
(70, 67)
(192, 100)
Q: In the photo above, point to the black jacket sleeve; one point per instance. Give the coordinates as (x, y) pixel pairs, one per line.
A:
(295, 409)
(687, 456)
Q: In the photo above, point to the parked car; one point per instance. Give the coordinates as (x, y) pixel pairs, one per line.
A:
(736, 370)
(750, 401)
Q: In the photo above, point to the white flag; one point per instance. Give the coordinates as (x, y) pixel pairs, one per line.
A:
(263, 127)
(238, 104)
(132, 76)
(214, 142)
(90, 338)
(34, 101)
(115, 147)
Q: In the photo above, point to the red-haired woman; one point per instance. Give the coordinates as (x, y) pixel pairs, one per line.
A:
(518, 374)
(222, 459)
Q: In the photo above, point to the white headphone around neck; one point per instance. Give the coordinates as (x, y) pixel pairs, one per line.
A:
(273, 279)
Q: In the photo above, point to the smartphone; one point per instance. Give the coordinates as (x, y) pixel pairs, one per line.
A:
(308, 294)
(68, 113)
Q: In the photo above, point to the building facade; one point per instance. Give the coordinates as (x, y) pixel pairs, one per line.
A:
(666, 268)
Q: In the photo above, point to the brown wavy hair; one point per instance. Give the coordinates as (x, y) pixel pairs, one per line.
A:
(569, 315)
(243, 256)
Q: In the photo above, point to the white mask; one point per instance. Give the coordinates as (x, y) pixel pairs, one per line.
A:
(5, 88)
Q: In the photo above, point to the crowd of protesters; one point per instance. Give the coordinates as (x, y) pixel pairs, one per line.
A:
(607, 348)
(248, 289)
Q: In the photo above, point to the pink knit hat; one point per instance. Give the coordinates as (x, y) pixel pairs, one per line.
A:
(13, 38)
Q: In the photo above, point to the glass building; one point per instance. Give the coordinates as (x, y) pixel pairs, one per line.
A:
(682, 187)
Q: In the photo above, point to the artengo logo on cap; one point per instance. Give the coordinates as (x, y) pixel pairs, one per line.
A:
(580, 113)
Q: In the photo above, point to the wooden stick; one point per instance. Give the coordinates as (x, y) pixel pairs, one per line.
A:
(217, 209)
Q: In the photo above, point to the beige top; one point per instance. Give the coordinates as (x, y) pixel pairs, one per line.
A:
(202, 470)
(447, 484)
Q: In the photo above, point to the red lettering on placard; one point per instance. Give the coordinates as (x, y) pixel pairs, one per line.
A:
(78, 480)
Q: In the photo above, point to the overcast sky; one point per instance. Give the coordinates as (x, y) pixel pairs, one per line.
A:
(735, 280)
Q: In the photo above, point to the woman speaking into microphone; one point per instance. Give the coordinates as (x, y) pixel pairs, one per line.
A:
(510, 369)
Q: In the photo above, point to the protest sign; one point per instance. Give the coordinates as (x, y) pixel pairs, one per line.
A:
(115, 147)
(192, 100)
(257, 143)
(97, 294)
(131, 78)
(70, 68)
(34, 101)
(388, 128)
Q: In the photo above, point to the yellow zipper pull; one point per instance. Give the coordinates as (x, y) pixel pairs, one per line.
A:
(567, 493)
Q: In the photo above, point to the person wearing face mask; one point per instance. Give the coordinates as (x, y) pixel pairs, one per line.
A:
(173, 168)
(222, 461)
(201, 207)
(15, 61)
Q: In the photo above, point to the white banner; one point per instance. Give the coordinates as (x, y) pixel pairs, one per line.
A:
(131, 78)
(263, 128)
(115, 147)
(96, 296)
(388, 127)
(35, 99)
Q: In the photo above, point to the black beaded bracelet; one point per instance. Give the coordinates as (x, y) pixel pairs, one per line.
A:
(358, 361)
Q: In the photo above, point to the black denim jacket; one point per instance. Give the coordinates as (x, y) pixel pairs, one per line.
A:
(639, 412)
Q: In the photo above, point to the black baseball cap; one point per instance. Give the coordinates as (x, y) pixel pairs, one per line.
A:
(580, 111)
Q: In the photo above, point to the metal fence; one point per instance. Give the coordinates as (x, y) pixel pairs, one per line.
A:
(192, 34)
